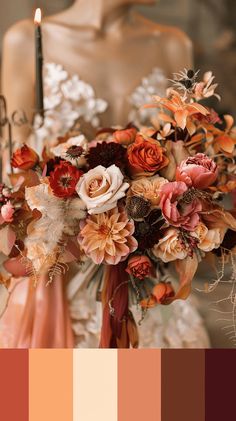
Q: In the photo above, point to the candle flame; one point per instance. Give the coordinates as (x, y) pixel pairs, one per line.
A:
(38, 16)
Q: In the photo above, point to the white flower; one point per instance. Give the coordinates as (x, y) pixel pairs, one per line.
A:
(79, 141)
(101, 188)
(76, 89)
(54, 74)
(170, 248)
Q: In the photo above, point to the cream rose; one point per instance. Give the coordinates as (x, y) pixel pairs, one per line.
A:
(149, 188)
(101, 188)
(170, 247)
(209, 239)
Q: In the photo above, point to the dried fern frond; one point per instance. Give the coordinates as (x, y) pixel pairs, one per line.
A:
(227, 317)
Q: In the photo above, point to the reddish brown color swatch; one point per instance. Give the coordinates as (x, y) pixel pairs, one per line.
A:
(183, 385)
(139, 385)
(14, 389)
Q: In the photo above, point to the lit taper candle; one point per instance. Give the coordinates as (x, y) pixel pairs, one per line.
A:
(38, 63)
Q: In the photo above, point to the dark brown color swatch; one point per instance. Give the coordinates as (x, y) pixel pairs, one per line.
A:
(183, 385)
(220, 384)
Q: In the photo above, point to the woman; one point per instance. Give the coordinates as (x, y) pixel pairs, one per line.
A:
(102, 62)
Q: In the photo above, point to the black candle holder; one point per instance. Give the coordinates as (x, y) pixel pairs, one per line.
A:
(17, 118)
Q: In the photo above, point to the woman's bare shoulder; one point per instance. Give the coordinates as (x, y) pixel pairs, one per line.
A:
(20, 35)
(169, 34)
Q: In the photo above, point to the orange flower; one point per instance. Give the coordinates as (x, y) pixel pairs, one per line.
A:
(146, 156)
(24, 158)
(180, 109)
(125, 137)
(147, 188)
(225, 141)
(107, 237)
(161, 293)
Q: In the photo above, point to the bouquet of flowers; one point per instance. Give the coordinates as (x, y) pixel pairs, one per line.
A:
(134, 200)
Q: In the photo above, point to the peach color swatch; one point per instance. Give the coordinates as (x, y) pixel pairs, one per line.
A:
(139, 385)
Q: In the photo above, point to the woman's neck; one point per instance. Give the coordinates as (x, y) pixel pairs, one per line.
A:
(100, 15)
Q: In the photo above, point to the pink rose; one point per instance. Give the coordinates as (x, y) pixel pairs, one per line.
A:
(198, 171)
(139, 266)
(7, 212)
(178, 206)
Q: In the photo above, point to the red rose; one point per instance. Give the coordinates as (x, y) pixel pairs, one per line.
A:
(64, 178)
(139, 266)
(24, 158)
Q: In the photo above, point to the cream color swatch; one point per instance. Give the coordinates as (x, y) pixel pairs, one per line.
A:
(95, 385)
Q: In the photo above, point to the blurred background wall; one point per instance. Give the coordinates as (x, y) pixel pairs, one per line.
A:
(211, 24)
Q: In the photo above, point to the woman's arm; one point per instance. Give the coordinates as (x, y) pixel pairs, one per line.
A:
(17, 78)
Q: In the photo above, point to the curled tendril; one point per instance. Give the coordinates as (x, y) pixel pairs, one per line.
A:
(19, 118)
(3, 111)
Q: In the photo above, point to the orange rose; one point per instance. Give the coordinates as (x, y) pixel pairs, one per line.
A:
(139, 266)
(24, 158)
(146, 156)
(125, 137)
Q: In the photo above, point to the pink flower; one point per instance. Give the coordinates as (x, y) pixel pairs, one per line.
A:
(7, 212)
(198, 171)
(179, 206)
(139, 266)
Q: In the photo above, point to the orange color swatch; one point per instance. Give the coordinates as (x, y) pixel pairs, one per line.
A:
(50, 385)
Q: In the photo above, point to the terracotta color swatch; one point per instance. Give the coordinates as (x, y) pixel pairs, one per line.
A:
(50, 385)
(139, 385)
(220, 384)
(183, 385)
(14, 385)
(95, 385)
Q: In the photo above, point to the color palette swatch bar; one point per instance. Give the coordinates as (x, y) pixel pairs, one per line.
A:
(117, 385)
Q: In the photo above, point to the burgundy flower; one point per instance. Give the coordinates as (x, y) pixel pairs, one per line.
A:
(52, 163)
(147, 232)
(64, 179)
(107, 154)
(180, 207)
(211, 118)
(197, 171)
